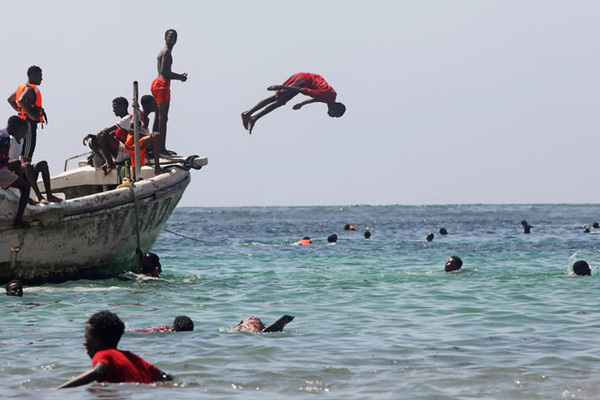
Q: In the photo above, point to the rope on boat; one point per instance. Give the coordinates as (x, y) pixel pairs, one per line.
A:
(128, 183)
(183, 236)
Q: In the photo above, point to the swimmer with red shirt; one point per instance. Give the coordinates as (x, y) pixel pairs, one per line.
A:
(161, 87)
(181, 324)
(308, 84)
(102, 334)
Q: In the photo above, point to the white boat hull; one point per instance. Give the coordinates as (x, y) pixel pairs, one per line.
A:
(89, 237)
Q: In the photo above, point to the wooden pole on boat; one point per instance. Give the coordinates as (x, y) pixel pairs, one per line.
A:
(137, 170)
(136, 132)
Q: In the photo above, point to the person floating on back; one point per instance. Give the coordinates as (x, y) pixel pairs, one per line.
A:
(308, 84)
(161, 87)
(526, 226)
(16, 127)
(27, 101)
(14, 288)
(181, 324)
(581, 268)
(255, 325)
(102, 334)
(454, 263)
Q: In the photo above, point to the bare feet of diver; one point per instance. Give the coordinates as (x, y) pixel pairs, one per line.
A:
(251, 123)
(245, 119)
(54, 199)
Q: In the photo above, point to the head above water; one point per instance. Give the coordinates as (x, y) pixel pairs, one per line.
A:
(443, 231)
(183, 324)
(335, 109)
(103, 331)
(332, 238)
(453, 264)
(581, 268)
(34, 75)
(367, 234)
(120, 107)
(151, 265)
(429, 237)
(14, 288)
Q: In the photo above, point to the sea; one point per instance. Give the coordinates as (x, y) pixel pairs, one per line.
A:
(375, 318)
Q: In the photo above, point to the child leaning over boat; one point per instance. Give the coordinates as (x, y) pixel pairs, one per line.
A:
(16, 127)
(102, 334)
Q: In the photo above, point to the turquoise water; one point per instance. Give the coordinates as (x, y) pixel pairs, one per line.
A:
(375, 318)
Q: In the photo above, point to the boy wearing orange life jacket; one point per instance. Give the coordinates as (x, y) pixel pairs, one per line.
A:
(27, 101)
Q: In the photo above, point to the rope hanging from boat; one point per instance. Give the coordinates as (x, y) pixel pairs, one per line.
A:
(183, 236)
(138, 251)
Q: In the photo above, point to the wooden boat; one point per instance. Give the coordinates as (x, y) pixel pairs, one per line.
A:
(93, 233)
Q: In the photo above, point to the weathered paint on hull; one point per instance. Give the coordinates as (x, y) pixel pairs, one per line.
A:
(93, 242)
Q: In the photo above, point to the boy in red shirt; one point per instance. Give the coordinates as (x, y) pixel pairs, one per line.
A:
(102, 334)
(308, 84)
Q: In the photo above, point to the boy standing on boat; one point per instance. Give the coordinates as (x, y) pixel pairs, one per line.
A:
(311, 85)
(161, 87)
(16, 127)
(27, 101)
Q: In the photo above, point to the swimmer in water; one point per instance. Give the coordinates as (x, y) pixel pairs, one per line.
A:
(581, 268)
(454, 263)
(253, 324)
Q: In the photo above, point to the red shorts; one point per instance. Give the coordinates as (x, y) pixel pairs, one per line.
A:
(161, 90)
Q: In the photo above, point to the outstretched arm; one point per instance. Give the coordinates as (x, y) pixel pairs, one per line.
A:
(303, 103)
(90, 376)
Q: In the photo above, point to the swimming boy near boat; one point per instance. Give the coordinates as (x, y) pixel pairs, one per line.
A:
(161, 87)
(102, 334)
(308, 84)
(27, 102)
(182, 323)
(16, 127)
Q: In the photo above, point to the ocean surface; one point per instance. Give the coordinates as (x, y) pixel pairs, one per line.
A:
(376, 318)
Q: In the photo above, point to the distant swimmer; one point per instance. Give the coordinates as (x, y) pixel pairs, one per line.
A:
(304, 241)
(443, 231)
(27, 101)
(308, 84)
(429, 237)
(349, 227)
(526, 226)
(14, 288)
(453, 264)
(254, 325)
(332, 238)
(151, 265)
(586, 229)
(595, 225)
(367, 234)
(161, 87)
(581, 268)
(181, 324)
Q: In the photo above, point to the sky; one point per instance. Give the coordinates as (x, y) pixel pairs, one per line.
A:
(448, 102)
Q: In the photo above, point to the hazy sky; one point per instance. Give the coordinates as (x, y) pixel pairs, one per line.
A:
(447, 101)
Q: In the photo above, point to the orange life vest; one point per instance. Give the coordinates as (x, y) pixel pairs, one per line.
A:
(37, 105)
(304, 242)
